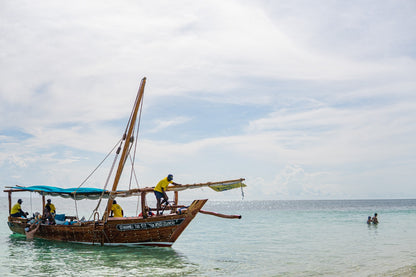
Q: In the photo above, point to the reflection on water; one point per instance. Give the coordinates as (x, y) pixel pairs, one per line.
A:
(62, 258)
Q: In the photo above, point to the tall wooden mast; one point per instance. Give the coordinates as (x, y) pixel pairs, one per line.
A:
(126, 147)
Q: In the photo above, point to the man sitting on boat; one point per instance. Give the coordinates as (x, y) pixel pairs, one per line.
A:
(17, 210)
(51, 207)
(116, 210)
(48, 217)
(160, 191)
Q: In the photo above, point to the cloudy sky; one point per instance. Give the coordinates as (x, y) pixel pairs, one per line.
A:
(304, 99)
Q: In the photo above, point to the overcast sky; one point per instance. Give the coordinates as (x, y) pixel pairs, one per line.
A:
(304, 99)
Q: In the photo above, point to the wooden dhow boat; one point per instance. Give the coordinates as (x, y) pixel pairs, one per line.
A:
(161, 230)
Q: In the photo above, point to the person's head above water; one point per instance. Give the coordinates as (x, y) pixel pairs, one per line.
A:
(170, 177)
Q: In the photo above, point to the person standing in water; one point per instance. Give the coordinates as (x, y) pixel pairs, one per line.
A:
(374, 219)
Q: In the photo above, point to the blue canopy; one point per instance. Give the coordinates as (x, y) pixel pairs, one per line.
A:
(74, 193)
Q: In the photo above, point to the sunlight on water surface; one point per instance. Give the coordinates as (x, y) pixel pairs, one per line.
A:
(273, 238)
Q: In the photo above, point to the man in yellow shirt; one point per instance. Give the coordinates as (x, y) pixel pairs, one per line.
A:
(17, 210)
(160, 191)
(49, 212)
(50, 207)
(116, 209)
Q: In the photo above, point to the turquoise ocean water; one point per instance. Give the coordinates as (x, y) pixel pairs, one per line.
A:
(273, 238)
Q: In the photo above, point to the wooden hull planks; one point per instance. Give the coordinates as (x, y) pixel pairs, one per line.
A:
(152, 231)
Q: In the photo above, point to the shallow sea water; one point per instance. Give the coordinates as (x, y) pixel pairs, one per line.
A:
(273, 238)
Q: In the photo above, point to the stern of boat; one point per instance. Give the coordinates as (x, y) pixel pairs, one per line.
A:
(17, 224)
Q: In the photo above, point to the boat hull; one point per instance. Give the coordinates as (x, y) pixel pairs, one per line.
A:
(152, 231)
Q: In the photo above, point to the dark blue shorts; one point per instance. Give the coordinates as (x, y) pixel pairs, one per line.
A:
(19, 214)
(159, 195)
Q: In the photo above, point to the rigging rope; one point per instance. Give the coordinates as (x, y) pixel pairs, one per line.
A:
(120, 142)
(109, 153)
(106, 182)
(132, 160)
(242, 192)
(135, 145)
(118, 151)
(86, 179)
(135, 176)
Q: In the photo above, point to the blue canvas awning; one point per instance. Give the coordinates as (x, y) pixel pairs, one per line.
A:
(74, 193)
(95, 193)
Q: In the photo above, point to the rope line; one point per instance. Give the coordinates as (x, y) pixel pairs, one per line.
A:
(98, 166)
(89, 176)
(120, 143)
(135, 146)
(106, 183)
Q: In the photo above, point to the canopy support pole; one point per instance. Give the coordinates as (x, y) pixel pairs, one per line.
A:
(143, 202)
(176, 194)
(43, 205)
(10, 202)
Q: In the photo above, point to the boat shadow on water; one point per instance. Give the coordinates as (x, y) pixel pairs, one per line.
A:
(57, 258)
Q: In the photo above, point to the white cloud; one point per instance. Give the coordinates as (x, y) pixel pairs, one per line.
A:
(162, 124)
(333, 85)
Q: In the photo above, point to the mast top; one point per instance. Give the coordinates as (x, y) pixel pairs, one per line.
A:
(126, 148)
